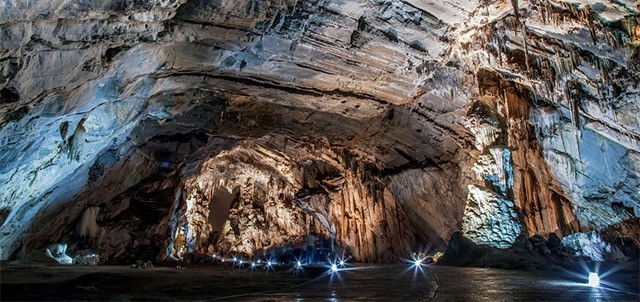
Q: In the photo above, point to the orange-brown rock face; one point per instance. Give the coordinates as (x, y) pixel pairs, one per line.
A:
(383, 126)
(278, 198)
(537, 193)
(544, 91)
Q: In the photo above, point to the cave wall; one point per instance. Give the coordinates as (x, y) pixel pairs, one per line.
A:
(560, 78)
(285, 192)
(500, 119)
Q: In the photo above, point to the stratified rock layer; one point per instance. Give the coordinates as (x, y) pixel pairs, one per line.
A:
(365, 121)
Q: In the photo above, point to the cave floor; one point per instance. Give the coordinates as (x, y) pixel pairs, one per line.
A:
(358, 282)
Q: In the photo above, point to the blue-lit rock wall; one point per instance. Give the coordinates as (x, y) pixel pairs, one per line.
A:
(558, 87)
(599, 171)
(494, 119)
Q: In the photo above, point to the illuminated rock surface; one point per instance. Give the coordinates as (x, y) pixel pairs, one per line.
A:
(132, 128)
(590, 245)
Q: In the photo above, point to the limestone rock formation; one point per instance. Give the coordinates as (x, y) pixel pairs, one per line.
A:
(592, 246)
(127, 126)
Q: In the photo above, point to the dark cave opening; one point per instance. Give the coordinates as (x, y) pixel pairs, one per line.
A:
(219, 208)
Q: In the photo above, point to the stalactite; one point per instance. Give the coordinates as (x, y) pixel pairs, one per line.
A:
(362, 143)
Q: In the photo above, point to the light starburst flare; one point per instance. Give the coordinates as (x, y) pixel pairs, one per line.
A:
(593, 280)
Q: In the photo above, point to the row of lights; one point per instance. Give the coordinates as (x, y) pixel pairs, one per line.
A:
(333, 268)
(593, 279)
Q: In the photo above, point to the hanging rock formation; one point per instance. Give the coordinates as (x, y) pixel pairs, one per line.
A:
(385, 125)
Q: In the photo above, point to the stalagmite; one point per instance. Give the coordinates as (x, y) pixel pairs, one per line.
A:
(169, 129)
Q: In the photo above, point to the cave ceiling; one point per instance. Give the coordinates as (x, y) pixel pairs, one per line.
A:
(451, 109)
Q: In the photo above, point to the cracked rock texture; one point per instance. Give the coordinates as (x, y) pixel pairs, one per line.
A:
(385, 125)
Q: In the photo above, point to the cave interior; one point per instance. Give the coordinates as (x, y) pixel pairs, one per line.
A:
(176, 130)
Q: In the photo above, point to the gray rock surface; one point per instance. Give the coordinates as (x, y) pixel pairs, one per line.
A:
(365, 120)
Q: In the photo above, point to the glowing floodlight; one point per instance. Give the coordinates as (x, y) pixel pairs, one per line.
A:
(235, 259)
(341, 262)
(594, 280)
(334, 268)
(299, 264)
(418, 260)
(253, 264)
(269, 263)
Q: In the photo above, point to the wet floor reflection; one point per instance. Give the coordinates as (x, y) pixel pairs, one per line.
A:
(408, 282)
(399, 283)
